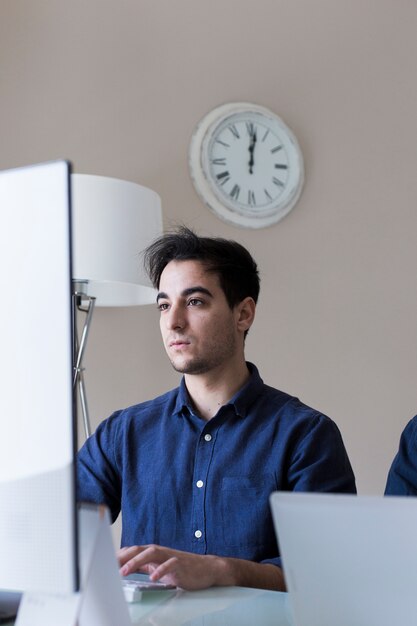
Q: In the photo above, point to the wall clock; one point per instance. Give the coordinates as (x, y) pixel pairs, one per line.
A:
(246, 164)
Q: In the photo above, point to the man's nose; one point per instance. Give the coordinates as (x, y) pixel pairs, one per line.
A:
(175, 317)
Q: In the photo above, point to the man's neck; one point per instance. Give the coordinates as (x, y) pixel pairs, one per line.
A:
(210, 391)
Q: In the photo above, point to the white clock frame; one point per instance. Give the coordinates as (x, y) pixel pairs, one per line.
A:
(227, 208)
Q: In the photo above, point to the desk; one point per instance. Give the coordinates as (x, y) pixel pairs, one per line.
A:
(218, 606)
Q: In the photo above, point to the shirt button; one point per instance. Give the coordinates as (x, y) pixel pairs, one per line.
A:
(198, 534)
(199, 483)
(207, 437)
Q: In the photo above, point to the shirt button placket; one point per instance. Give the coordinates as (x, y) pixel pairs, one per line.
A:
(201, 468)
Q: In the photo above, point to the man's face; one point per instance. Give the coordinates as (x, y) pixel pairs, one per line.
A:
(198, 327)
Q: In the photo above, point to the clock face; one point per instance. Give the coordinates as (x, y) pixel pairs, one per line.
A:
(246, 164)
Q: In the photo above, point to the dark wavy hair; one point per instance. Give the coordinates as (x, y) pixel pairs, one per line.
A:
(237, 271)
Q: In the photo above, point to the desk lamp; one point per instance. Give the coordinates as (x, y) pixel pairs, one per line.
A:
(113, 222)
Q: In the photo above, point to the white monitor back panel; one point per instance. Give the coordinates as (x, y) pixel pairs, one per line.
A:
(37, 514)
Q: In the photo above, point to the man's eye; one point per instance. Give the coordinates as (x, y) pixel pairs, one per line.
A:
(194, 302)
(162, 306)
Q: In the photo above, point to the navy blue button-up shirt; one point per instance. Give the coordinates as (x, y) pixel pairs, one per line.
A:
(203, 486)
(402, 477)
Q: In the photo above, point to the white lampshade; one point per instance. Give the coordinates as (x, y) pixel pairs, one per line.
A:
(113, 222)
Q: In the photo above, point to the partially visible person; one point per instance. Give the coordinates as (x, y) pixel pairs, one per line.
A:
(402, 477)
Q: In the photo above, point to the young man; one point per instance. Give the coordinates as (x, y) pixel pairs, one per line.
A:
(192, 470)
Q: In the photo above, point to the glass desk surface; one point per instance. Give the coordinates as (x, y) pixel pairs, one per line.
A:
(218, 606)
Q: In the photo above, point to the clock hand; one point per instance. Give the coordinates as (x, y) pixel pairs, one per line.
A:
(251, 151)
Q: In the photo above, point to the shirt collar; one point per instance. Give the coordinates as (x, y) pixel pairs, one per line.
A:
(241, 401)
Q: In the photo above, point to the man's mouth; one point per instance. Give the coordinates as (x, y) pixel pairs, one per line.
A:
(178, 343)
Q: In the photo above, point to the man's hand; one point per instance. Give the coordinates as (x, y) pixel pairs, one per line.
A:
(183, 569)
(196, 571)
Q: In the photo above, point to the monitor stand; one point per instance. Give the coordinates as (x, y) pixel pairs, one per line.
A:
(100, 602)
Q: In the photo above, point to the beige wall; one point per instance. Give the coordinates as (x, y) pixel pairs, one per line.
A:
(117, 86)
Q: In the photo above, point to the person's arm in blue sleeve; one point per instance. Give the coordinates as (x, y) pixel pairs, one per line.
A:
(402, 476)
(98, 474)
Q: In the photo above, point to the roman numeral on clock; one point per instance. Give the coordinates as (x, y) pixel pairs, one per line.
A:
(223, 177)
(235, 192)
(234, 131)
(221, 161)
(250, 127)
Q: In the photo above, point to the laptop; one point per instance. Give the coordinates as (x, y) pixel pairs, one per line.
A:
(348, 560)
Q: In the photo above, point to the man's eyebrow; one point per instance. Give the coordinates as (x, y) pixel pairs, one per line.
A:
(187, 292)
(197, 289)
(161, 295)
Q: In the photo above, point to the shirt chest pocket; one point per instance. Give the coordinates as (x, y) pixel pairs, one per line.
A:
(245, 508)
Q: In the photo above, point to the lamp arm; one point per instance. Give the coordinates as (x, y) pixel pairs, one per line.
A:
(79, 348)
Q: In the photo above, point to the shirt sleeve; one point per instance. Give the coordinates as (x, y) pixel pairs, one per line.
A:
(98, 477)
(402, 476)
(319, 461)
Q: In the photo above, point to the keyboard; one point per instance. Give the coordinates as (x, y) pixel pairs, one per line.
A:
(133, 589)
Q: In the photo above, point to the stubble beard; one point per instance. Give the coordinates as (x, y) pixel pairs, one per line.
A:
(197, 366)
(217, 354)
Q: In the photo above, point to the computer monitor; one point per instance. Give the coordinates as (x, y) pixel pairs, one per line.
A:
(38, 519)
(50, 546)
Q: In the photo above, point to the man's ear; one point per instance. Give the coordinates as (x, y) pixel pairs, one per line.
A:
(245, 311)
